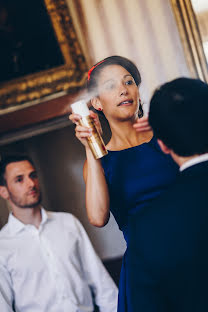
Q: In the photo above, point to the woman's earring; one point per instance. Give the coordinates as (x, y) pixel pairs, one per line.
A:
(100, 109)
(141, 112)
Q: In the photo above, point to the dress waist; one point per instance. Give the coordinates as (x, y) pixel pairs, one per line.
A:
(125, 227)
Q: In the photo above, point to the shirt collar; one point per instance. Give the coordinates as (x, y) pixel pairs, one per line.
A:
(15, 225)
(194, 161)
(44, 216)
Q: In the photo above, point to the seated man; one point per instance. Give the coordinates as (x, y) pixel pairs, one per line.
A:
(47, 263)
(168, 241)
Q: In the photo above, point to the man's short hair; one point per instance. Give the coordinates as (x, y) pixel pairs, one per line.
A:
(179, 116)
(6, 160)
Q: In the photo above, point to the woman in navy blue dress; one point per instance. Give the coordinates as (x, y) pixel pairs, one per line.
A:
(135, 171)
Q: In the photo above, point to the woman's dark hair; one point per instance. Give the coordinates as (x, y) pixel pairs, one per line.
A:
(113, 60)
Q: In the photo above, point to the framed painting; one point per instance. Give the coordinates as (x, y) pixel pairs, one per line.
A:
(39, 55)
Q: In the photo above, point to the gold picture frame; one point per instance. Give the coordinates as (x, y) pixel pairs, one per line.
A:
(191, 38)
(33, 88)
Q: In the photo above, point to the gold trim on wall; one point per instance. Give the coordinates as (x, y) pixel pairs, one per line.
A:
(191, 38)
(71, 76)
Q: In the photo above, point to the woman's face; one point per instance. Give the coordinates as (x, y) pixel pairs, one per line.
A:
(118, 93)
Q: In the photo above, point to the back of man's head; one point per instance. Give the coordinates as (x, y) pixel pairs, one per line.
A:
(8, 160)
(179, 116)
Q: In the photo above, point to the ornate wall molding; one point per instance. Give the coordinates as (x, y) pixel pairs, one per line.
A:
(191, 38)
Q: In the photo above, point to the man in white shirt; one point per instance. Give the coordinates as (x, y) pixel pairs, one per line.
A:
(47, 263)
(168, 241)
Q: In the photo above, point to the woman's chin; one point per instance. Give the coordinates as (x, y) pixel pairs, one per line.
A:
(128, 116)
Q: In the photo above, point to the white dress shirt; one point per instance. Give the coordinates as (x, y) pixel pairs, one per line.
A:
(52, 268)
(194, 161)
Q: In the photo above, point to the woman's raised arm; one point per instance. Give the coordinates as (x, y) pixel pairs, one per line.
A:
(97, 196)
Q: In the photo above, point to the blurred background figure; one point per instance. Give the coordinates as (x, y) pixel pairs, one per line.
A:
(47, 262)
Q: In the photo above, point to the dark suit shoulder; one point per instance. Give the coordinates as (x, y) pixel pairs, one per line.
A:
(174, 219)
(167, 248)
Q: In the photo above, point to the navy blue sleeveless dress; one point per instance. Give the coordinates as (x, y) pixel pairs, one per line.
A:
(135, 176)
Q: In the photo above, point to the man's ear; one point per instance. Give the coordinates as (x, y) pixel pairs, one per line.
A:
(96, 103)
(4, 192)
(163, 147)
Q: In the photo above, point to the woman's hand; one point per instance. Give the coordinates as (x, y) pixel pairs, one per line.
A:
(81, 132)
(142, 124)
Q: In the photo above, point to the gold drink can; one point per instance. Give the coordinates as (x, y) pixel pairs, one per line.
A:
(95, 142)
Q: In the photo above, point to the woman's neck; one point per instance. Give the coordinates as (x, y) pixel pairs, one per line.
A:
(125, 136)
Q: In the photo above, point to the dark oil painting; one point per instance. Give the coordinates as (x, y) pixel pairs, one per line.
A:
(27, 40)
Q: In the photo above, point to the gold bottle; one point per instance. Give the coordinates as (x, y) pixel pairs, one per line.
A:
(95, 141)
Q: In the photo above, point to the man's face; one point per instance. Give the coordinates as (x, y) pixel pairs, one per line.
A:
(23, 190)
